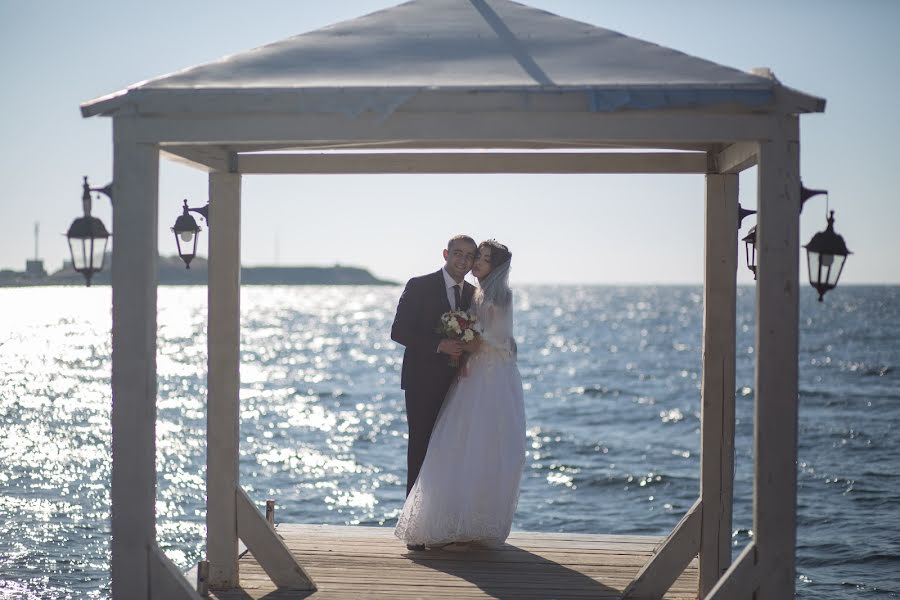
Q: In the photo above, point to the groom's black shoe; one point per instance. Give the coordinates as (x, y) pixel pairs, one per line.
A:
(415, 547)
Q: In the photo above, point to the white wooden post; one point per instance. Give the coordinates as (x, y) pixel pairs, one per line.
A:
(134, 279)
(223, 417)
(717, 384)
(775, 438)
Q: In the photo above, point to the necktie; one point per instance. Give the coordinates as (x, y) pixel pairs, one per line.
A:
(457, 296)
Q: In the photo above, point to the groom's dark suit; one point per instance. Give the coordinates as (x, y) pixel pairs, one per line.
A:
(426, 374)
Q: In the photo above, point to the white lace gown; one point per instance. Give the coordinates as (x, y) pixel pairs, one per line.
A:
(468, 487)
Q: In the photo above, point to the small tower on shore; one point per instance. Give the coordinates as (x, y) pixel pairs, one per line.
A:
(35, 266)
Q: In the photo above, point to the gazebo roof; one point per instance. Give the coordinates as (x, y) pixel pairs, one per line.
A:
(380, 61)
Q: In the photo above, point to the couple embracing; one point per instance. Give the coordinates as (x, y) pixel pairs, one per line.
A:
(466, 424)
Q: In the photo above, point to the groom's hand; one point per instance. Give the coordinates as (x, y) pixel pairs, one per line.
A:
(453, 348)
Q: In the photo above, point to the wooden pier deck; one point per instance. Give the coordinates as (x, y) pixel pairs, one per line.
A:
(369, 562)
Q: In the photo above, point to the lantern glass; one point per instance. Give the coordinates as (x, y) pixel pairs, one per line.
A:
(80, 251)
(87, 245)
(824, 270)
(826, 254)
(187, 232)
(98, 253)
(750, 250)
(186, 241)
(88, 254)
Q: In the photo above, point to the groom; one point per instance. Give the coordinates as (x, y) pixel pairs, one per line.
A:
(426, 373)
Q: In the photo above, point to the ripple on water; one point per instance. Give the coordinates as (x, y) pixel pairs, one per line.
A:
(612, 400)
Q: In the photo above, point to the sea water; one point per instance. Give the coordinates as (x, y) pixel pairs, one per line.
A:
(612, 388)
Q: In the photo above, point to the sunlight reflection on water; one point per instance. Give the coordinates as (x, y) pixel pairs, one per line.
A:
(612, 386)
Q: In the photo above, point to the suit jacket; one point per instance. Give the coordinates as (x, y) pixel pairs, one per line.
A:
(419, 312)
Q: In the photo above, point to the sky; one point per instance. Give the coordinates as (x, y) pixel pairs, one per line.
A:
(606, 229)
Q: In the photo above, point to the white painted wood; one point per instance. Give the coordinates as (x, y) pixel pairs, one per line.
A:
(740, 580)
(791, 101)
(268, 548)
(223, 411)
(205, 158)
(775, 422)
(194, 102)
(476, 162)
(134, 279)
(657, 127)
(448, 145)
(736, 157)
(717, 382)
(166, 581)
(669, 560)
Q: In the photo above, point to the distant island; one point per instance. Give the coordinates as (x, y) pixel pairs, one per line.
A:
(172, 272)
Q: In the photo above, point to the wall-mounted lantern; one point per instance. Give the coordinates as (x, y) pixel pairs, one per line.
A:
(187, 232)
(826, 254)
(750, 250)
(88, 236)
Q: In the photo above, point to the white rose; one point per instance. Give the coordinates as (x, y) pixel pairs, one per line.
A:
(468, 336)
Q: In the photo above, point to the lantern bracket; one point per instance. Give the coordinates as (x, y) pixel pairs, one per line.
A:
(806, 194)
(743, 213)
(203, 211)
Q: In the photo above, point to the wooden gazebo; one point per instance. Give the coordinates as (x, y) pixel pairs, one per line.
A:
(485, 86)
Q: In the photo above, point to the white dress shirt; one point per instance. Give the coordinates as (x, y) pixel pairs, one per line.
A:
(451, 296)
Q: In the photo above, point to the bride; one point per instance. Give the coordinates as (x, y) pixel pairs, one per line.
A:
(468, 486)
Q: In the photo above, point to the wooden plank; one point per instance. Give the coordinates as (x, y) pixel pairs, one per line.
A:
(736, 157)
(133, 488)
(776, 389)
(370, 533)
(206, 158)
(549, 544)
(717, 383)
(166, 581)
(475, 162)
(676, 553)
(240, 103)
(311, 559)
(656, 127)
(268, 549)
(569, 556)
(223, 410)
(354, 562)
(407, 144)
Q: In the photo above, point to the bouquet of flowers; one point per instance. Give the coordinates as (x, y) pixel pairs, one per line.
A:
(458, 325)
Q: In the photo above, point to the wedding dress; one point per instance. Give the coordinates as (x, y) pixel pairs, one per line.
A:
(468, 487)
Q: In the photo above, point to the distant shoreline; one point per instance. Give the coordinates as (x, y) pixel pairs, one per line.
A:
(173, 272)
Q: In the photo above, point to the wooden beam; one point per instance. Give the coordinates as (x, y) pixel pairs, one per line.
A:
(133, 489)
(776, 389)
(740, 580)
(351, 101)
(717, 380)
(736, 157)
(402, 145)
(166, 581)
(476, 162)
(223, 411)
(204, 157)
(268, 548)
(669, 560)
(655, 127)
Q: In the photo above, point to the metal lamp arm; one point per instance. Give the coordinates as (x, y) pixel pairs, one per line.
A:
(86, 195)
(203, 211)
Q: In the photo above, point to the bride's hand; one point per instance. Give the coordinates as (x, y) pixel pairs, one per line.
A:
(472, 347)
